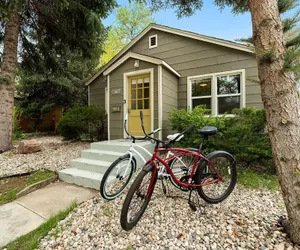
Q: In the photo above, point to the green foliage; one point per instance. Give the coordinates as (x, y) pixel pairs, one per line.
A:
(39, 91)
(81, 121)
(4, 80)
(266, 57)
(242, 135)
(130, 21)
(255, 180)
(182, 8)
(17, 134)
(248, 40)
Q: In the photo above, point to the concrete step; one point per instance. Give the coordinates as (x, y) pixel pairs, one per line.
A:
(88, 170)
(121, 145)
(90, 165)
(81, 177)
(102, 155)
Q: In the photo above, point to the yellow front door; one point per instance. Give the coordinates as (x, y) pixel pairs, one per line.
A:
(139, 99)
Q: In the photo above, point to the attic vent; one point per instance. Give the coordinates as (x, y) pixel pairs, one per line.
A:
(152, 41)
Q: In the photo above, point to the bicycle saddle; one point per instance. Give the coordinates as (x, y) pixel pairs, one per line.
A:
(207, 130)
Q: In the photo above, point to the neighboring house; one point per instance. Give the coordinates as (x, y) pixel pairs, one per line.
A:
(164, 69)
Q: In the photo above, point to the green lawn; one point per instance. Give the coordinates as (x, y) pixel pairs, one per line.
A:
(255, 180)
(35, 177)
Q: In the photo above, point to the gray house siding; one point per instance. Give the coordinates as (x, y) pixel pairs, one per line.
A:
(191, 57)
(116, 100)
(169, 103)
(97, 92)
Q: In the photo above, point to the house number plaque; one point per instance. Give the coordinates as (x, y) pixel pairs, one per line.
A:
(116, 91)
(116, 109)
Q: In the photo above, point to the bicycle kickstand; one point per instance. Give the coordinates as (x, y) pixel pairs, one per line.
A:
(191, 203)
(163, 186)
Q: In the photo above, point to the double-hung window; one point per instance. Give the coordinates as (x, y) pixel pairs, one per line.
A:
(219, 92)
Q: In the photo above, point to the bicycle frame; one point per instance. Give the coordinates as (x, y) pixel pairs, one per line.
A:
(182, 152)
(133, 151)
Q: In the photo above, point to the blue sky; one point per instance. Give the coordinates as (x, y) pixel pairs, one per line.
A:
(209, 21)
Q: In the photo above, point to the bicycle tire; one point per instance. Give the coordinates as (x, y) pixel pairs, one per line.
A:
(136, 189)
(178, 173)
(203, 173)
(113, 166)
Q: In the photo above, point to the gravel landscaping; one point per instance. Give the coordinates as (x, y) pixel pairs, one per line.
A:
(56, 155)
(245, 220)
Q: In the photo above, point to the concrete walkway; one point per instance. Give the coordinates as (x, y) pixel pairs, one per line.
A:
(30, 211)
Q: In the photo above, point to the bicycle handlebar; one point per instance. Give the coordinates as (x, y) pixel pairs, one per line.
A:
(187, 130)
(137, 137)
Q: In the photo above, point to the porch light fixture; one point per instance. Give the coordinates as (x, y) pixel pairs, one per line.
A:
(136, 63)
(203, 84)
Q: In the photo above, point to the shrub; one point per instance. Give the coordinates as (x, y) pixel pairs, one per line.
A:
(17, 133)
(82, 121)
(243, 135)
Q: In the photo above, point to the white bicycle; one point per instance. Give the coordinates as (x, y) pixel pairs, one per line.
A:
(121, 171)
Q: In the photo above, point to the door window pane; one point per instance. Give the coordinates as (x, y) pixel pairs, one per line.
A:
(140, 104)
(133, 104)
(229, 84)
(146, 93)
(133, 94)
(146, 104)
(201, 87)
(140, 93)
(133, 82)
(140, 82)
(203, 101)
(227, 104)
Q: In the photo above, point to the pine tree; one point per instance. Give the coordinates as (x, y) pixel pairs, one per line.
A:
(278, 88)
(52, 25)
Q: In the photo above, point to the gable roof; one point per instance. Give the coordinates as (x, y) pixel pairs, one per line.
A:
(141, 57)
(175, 31)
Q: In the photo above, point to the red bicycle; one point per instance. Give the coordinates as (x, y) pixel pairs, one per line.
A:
(213, 176)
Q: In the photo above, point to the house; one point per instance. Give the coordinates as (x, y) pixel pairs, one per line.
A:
(164, 69)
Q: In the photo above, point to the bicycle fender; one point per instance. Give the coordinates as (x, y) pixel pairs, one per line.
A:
(222, 152)
(202, 161)
(148, 167)
(128, 156)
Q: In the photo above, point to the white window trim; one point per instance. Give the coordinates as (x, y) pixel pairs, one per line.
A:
(153, 46)
(125, 93)
(214, 96)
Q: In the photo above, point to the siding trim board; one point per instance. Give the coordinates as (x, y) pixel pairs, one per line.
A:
(214, 96)
(108, 107)
(160, 101)
(142, 58)
(125, 93)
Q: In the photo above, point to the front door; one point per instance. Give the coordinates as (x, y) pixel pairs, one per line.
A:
(139, 99)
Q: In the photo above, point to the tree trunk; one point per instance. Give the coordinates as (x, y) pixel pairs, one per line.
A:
(279, 95)
(7, 79)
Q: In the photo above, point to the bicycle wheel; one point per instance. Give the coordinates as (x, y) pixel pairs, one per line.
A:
(117, 177)
(225, 166)
(181, 167)
(137, 199)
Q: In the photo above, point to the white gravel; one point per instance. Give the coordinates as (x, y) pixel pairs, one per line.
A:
(56, 155)
(245, 220)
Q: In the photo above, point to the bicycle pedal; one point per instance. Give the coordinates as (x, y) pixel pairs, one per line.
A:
(192, 206)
